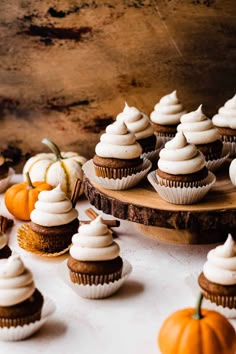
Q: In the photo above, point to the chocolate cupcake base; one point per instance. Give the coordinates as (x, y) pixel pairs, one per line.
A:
(23, 313)
(94, 272)
(224, 295)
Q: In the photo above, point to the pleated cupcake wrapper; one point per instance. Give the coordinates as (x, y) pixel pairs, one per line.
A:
(231, 148)
(214, 165)
(21, 332)
(20, 321)
(153, 155)
(164, 137)
(106, 172)
(99, 291)
(176, 184)
(4, 183)
(116, 184)
(24, 239)
(184, 195)
(85, 279)
(220, 300)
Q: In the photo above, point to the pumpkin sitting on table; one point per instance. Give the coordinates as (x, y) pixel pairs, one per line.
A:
(20, 198)
(63, 168)
(197, 331)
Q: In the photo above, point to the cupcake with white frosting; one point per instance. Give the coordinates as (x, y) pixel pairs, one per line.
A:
(53, 222)
(20, 302)
(5, 250)
(94, 255)
(182, 176)
(118, 153)
(218, 278)
(200, 131)
(138, 123)
(225, 122)
(166, 116)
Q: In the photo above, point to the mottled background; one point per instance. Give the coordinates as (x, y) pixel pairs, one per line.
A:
(66, 67)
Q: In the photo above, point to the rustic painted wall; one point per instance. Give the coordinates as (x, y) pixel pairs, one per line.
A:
(66, 66)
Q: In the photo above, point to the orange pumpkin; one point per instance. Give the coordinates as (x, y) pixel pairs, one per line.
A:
(197, 331)
(21, 197)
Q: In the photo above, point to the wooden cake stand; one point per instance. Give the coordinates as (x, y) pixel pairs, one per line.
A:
(208, 221)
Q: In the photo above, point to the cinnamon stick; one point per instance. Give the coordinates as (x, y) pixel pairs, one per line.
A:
(93, 215)
(5, 223)
(76, 191)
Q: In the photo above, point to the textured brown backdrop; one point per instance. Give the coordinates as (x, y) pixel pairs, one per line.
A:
(66, 67)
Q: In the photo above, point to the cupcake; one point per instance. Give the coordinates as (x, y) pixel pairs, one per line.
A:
(4, 167)
(53, 222)
(166, 116)
(117, 153)
(5, 250)
(20, 302)
(200, 131)
(218, 278)
(94, 256)
(139, 124)
(225, 122)
(181, 164)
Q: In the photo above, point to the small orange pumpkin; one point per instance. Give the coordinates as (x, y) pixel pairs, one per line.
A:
(197, 331)
(21, 197)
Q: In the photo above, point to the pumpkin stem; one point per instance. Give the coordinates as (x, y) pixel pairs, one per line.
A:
(53, 147)
(198, 313)
(30, 185)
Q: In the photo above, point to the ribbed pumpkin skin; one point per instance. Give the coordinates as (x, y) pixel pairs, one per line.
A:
(48, 168)
(20, 200)
(182, 334)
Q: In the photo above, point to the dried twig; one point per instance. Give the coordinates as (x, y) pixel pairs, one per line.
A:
(93, 215)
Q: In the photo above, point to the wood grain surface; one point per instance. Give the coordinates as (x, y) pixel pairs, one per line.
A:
(210, 220)
(66, 67)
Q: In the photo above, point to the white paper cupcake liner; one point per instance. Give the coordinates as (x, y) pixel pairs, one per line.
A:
(191, 280)
(164, 138)
(23, 332)
(116, 184)
(230, 148)
(214, 165)
(95, 291)
(153, 155)
(177, 195)
(4, 183)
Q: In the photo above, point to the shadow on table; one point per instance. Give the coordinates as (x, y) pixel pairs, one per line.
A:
(130, 288)
(52, 329)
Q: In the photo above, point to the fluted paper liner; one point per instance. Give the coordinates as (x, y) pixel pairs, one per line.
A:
(154, 155)
(4, 183)
(22, 332)
(24, 233)
(177, 195)
(214, 165)
(116, 184)
(95, 291)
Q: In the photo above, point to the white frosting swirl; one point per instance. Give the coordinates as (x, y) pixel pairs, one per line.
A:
(137, 122)
(3, 240)
(16, 281)
(226, 116)
(197, 128)
(178, 157)
(168, 110)
(53, 208)
(118, 143)
(220, 267)
(94, 242)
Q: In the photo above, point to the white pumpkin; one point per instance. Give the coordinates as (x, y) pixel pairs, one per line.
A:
(55, 168)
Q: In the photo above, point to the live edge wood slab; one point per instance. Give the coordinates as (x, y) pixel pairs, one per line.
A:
(209, 221)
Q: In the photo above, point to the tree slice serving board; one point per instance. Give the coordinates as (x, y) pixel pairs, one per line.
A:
(208, 221)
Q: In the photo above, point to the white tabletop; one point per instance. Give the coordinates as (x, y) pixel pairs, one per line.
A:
(164, 279)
